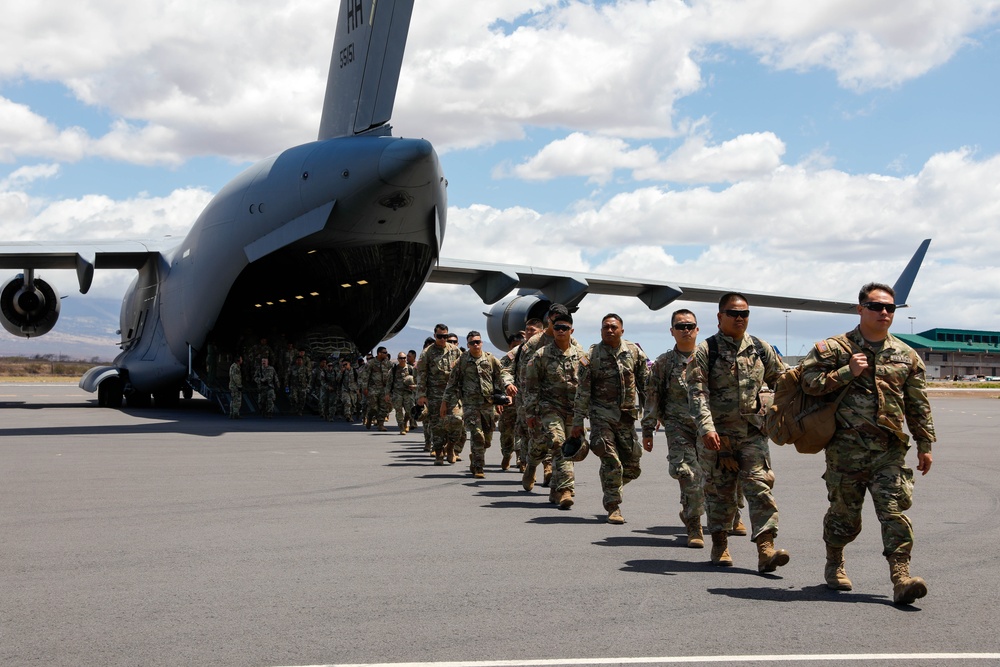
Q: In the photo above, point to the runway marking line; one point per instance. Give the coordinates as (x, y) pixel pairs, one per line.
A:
(667, 660)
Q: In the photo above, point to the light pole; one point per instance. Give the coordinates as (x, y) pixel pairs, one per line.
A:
(786, 329)
(911, 318)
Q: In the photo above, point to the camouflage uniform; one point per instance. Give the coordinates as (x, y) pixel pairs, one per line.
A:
(868, 450)
(549, 393)
(267, 384)
(236, 390)
(508, 418)
(611, 380)
(473, 382)
(433, 371)
(667, 403)
(725, 399)
(374, 381)
(298, 383)
(347, 388)
(402, 386)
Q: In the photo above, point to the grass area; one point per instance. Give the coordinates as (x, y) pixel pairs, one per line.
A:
(41, 369)
(948, 384)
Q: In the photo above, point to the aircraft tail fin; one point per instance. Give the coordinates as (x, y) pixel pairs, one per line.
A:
(364, 69)
(909, 274)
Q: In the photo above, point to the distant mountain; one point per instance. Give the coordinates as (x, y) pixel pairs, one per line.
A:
(87, 329)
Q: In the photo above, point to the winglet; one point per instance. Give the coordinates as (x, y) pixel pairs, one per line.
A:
(364, 68)
(909, 274)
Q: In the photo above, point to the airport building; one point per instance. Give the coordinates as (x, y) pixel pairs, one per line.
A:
(948, 353)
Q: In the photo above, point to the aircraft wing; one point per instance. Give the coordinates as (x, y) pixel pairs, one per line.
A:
(83, 257)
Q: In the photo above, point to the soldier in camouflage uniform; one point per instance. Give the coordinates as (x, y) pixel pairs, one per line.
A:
(402, 385)
(725, 380)
(267, 387)
(411, 360)
(667, 403)
(612, 384)
(375, 386)
(236, 387)
(508, 418)
(298, 385)
(433, 372)
(347, 388)
(548, 397)
(512, 382)
(474, 381)
(885, 385)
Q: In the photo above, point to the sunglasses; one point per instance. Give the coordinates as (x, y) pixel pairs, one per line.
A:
(877, 307)
(475, 342)
(561, 327)
(685, 326)
(440, 336)
(738, 313)
(400, 358)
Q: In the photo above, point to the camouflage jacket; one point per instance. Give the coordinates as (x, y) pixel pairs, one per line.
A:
(507, 371)
(346, 381)
(726, 398)
(879, 401)
(550, 380)
(299, 377)
(235, 376)
(667, 393)
(266, 377)
(612, 383)
(434, 369)
(402, 381)
(474, 381)
(375, 376)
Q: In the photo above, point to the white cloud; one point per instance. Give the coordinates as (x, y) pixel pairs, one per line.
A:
(744, 157)
(597, 158)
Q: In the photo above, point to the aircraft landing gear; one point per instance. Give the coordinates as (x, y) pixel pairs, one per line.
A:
(109, 393)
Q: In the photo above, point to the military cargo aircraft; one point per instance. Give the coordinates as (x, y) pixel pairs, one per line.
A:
(332, 239)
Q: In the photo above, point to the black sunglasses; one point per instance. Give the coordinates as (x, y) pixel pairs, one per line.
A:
(440, 336)
(738, 313)
(877, 307)
(685, 326)
(475, 342)
(561, 327)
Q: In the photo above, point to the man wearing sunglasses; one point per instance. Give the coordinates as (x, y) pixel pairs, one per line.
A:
(474, 382)
(401, 386)
(667, 403)
(507, 424)
(725, 380)
(433, 372)
(885, 386)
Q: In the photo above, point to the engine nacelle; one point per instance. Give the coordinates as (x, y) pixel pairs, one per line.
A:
(508, 316)
(29, 306)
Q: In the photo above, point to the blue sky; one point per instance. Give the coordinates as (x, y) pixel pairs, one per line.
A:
(759, 145)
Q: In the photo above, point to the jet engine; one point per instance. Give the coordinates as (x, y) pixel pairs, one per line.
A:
(29, 306)
(508, 316)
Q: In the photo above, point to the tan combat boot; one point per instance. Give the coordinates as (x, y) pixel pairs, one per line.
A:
(769, 558)
(565, 499)
(478, 473)
(905, 589)
(696, 538)
(836, 575)
(720, 549)
(505, 462)
(449, 453)
(739, 529)
(438, 458)
(546, 473)
(615, 515)
(528, 478)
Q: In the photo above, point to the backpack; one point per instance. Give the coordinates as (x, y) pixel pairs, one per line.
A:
(796, 417)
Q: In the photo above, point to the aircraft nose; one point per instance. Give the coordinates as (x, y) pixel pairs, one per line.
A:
(407, 163)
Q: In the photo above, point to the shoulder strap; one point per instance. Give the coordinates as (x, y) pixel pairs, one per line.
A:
(713, 351)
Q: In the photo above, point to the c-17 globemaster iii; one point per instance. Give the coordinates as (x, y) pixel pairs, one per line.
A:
(331, 240)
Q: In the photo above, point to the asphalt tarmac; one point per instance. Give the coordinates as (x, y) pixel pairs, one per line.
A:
(179, 537)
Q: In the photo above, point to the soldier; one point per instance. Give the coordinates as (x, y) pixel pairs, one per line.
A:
(548, 396)
(411, 360)
(267, 387)
(884, 383)
(375, 386)
(402, 385)
(347, 388)
(326, 383)
(236, 387)
(474, 382)
(433, 372)
(298, 385)
(508, 418)
(612, 381)
(725, 380)
(667, 403)
(286, 361)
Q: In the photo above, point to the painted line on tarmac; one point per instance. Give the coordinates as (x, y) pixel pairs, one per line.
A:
(667, 660)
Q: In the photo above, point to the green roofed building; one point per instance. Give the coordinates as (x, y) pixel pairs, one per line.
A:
(957, 352)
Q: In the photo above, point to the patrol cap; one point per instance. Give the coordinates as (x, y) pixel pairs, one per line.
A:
(575, 449)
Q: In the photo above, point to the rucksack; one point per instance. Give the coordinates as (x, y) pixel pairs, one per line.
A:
(796, 417)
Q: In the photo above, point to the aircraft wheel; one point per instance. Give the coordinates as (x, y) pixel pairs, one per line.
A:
(139, 399)
(187, 392)
(109, 394)
(166, 398)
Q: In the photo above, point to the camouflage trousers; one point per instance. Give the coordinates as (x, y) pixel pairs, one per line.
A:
(616, 444)
(266, 397)
(527, 437)
(402, 405)
(554, 429)
(507, 425)
(479, 424)
(682, 457)
(297, 398)
(328, 403)
(348, 399)
(722, 485)
(378, 407)
(447, 430)
(852, 468)
(237, 402)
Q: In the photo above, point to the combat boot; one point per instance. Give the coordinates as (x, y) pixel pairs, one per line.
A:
(505, 462)
(615, 515)
(905, 589)
(553, 496)
(696, 539)
(769, 559)
(720, 549)
(368, 422)
(836, 575)
(478, 473)
(381, 426)
(565, 499)
(528, 478)
(438, 458)
(449, 453)
(739, 529)
(546, 473)
(521, 465)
